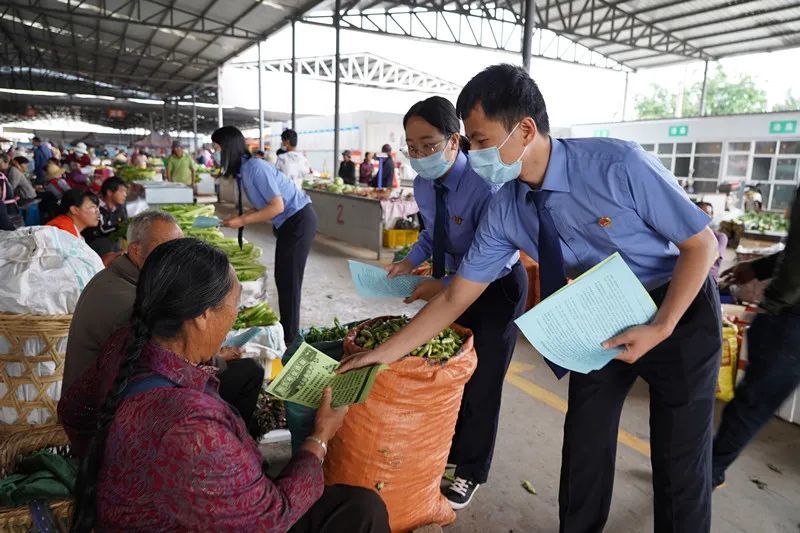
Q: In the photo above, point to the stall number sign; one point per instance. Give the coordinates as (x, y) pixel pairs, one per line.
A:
(681, 130)
(783, 126)
(601, 133)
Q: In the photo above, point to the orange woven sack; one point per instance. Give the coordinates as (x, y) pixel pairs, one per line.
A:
(397, 442)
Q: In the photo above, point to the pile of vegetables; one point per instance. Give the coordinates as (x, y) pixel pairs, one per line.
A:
(764, 222)
(258, 315)
(321, 334)
(441, 348)
(245, 261)
(130, 173)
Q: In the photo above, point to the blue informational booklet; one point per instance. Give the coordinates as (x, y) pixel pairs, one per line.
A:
(242, 338)
(372, 282)
(206, 222)
(569, 326)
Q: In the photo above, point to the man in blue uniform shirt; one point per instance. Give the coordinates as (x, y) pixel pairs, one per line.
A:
(570, 203)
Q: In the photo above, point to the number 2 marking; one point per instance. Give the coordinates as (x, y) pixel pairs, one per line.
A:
(339, 215)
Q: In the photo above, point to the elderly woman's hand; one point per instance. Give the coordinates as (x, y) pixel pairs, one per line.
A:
(329, 419)
(327, 423)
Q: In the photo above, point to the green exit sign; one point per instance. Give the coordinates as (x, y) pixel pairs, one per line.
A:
(679, 130)
(601, 133)
(783, 126)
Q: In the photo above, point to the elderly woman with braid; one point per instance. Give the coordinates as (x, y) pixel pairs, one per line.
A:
(161, 451)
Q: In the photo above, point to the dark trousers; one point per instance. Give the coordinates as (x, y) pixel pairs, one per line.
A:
(491, 319)
(239, 385)
(773, 372)
(682, 375)
(343, 508)
(291, 253)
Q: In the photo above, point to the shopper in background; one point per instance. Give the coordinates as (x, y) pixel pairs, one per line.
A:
(106, 305)
(11, 216)
(453, 200)
(180, 167)
(569, 204)
(292, 163)
(277, 200)
(365, 169)
(76, 178)
(113, 213)
(121, 157)
(773, 349)
(80, 155)
(165, 453)
(78, 210)
(139, 158)
(722, 241)
(41, 155)
(387, 169)
(21, 184)
(347, 169)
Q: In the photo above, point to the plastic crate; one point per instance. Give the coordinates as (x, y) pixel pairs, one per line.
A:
(397, 238)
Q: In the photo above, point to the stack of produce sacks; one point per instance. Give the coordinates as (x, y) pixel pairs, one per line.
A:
(42, 272)
(397, 442)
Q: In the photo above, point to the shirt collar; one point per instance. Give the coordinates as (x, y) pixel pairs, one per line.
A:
(453, 179)
(176, 369)
(555, 177)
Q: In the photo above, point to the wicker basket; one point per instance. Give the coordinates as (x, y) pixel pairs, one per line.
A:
(13, 447)
(18, 370)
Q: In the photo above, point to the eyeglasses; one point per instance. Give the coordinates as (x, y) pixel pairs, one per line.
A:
(423, 151)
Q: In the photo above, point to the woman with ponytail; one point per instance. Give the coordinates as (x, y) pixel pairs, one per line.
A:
(452, 200)
(161, 451)
(277, 200)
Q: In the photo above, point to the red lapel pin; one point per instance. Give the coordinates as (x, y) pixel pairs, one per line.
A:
(604, 222)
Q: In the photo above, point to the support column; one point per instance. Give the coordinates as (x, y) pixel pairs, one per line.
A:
(625, 98)
(294, 65)
(194, 118)
(703, 91)
(177, 120)
(337, 23)
(527, 33)
(260, 100)
(219, 97)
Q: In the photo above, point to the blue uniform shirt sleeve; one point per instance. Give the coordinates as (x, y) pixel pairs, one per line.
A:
(260, 184)
(491, 249)
(659, 200)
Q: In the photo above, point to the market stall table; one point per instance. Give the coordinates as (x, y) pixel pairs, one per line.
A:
(358, 220)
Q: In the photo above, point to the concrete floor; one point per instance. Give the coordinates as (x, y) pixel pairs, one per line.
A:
(529, 441)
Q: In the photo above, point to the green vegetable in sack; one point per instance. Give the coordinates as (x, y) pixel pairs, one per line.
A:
(320, 334)
(441, 348)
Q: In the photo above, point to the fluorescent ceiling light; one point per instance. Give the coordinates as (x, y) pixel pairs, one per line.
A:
(33, 93)
(271, 4)
(205, 105)
(93, 96)
(146, 101)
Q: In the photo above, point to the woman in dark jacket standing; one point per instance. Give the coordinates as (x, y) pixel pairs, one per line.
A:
(276, 199)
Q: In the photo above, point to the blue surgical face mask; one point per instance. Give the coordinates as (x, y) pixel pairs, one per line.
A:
(432, 167)
(487, 163)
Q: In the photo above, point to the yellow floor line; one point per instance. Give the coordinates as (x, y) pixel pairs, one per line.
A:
(556, 402)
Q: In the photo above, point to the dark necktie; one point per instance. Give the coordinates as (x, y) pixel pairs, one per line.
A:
(552, 275)
(439, 232)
